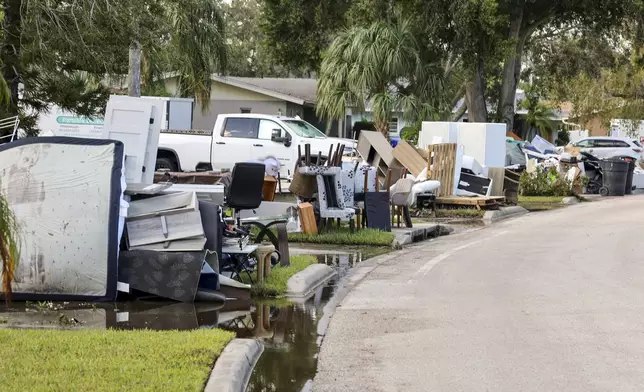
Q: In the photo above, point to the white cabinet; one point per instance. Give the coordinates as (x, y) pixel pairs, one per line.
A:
(484, 142)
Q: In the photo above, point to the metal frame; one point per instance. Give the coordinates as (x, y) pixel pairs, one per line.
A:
(11, 123)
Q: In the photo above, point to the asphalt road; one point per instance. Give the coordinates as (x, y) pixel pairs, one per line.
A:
(550, 301)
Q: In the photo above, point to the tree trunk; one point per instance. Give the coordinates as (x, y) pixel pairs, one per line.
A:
(475, 95)
(382, 127)
(512, 68)
(11, 51)
(134, 72)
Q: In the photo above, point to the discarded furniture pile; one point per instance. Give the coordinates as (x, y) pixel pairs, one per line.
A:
(95, 226)
(588, 174)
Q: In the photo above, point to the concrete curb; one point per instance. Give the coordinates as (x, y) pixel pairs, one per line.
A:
(304, 282)
(234, 367)
(503, 213)
(419, 234)
(569, 201)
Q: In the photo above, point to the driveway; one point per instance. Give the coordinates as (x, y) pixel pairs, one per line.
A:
(552, 301)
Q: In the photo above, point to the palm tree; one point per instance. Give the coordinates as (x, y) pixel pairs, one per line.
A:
(539, 114)
(9, 247)
(385, 66)
(192, 45)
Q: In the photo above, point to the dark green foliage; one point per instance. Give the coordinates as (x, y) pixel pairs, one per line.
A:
(544, 182)
(298, 31)
(563, 138)
(410, 134)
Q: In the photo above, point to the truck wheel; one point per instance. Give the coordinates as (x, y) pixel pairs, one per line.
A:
(166, 164)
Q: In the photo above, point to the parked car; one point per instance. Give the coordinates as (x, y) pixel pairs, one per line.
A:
(242, 137)
(611, 147)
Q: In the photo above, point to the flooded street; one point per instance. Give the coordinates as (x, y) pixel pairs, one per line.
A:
(287, 329)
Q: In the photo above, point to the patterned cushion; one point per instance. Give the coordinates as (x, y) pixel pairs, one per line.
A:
(372, 179)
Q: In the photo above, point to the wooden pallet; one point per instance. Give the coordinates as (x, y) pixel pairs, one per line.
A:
(442, 166)
(480, 203)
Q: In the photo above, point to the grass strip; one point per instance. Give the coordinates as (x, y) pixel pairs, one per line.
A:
(108, 360)
(275, 285)
(368, 237)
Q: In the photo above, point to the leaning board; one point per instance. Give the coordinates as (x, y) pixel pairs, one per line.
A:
(65, 193)
(442, 166)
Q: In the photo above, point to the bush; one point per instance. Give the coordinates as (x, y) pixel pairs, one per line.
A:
(544, 182)
(563, 138)
(410, 134)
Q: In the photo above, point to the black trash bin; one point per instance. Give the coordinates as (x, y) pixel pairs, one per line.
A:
(629, 177)
(615, 172)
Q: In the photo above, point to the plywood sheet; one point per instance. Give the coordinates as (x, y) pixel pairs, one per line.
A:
(409, 158)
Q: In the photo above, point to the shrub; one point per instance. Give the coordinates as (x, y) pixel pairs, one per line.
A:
(544, 182)
(410, 134)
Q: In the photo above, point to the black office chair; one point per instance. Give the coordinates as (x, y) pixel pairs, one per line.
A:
(245, 190)
(243, 193)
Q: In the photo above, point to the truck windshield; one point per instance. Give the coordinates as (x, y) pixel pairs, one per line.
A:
(303, 129)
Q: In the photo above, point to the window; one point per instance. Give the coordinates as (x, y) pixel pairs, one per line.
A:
(266, 128)
(600, 143)
(584, 143)
(240, 127)
(638, 144)
(245, 110)
(304, 129)
(393, 126)
(620, 144)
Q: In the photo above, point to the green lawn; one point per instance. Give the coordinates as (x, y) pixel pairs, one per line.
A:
(368, 237)
(466, 213)
(541, 203)
(540, 199)
(275, 285)
(108, 360)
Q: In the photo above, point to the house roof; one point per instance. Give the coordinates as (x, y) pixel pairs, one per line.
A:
(296, 90)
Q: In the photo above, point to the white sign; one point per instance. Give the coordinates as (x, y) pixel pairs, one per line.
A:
(61, 123)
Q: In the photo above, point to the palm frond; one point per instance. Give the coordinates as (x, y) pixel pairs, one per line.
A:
(382, 64)
(9, 247)
(198, 40)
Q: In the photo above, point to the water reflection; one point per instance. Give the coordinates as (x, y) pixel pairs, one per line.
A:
(288, 330)
(291, 346)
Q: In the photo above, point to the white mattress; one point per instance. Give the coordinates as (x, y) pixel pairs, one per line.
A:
(66, 195)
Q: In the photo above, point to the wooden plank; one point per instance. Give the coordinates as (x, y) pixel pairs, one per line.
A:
(203, 178)
(409, 158)
(442, 165)
(269, 188)
(307, 218)
(497, 175)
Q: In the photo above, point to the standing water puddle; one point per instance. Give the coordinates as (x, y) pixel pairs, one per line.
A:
(287, 329)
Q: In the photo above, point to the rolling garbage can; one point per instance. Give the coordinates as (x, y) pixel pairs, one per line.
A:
(629, 177)
(615, 172)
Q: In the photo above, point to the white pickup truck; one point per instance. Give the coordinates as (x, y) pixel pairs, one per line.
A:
(242, 137)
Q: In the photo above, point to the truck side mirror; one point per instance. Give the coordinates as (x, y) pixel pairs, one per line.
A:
(276, 137)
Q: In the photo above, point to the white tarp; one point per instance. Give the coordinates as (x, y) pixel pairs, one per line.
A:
(66, 195)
